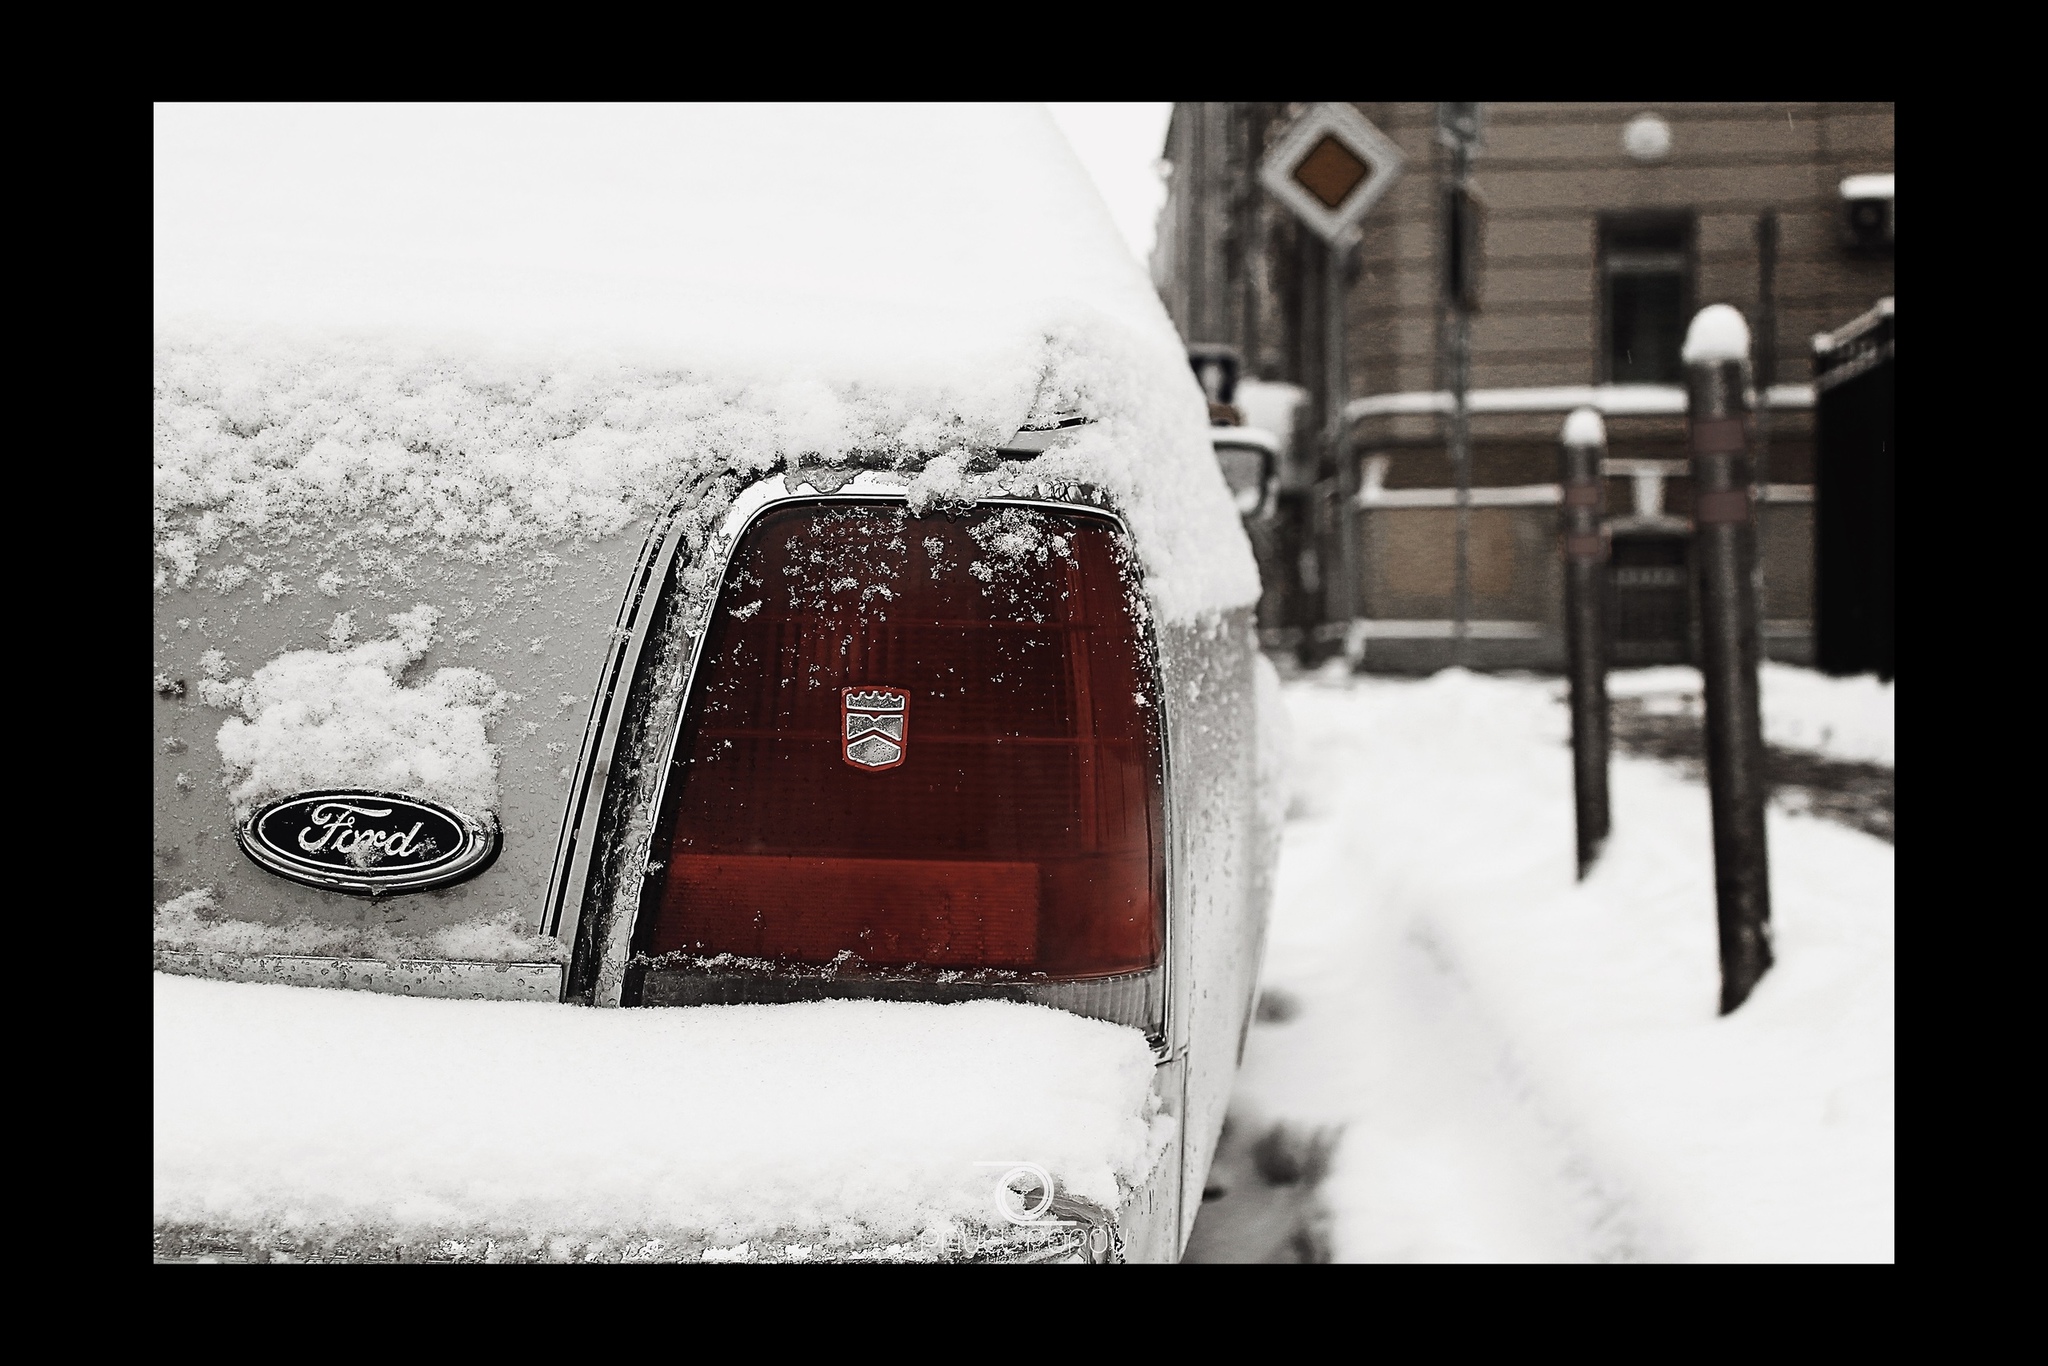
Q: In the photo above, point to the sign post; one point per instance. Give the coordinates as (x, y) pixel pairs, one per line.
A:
(1330, 167)
(1457, 127)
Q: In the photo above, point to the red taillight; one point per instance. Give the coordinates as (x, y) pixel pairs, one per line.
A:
(917, 746)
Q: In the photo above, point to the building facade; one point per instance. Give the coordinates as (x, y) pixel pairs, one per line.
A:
(1601, 229)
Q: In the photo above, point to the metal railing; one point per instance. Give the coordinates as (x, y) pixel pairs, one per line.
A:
(1610, 400)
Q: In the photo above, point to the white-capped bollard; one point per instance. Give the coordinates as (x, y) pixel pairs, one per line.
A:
(1717, 381)
(1582, 445)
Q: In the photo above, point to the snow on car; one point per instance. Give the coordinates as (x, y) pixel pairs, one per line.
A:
(766, 562)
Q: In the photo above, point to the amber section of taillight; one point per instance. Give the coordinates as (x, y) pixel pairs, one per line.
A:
(1012, 823)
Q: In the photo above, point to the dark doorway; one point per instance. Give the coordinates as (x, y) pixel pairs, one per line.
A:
(1650, 582)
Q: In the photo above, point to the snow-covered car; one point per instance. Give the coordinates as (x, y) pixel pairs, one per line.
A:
(586, 579)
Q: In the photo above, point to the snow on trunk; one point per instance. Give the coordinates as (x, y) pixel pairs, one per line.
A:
(852, 1122)
(481, 330)
(343, 718)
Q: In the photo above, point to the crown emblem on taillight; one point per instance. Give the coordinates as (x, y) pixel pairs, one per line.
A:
(876, 730)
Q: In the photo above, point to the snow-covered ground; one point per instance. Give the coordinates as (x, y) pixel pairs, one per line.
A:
(1529, 1069)
(1840, 718)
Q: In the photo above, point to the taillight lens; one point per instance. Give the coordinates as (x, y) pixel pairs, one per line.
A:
(918, 748)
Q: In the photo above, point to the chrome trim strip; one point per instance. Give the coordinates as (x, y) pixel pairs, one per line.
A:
(562, 911)
(1073, 1231)
(428, 977)
(1135, 998)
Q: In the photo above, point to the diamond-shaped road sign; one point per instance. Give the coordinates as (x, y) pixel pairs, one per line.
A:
(1330, 168)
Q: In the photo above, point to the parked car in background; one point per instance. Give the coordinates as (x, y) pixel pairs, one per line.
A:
(1253, 432)
(580, 583)
(1249, 459)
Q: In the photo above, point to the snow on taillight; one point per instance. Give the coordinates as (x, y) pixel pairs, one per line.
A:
(918, 751)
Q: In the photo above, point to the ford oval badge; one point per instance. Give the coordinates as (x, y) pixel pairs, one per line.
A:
(367, 843)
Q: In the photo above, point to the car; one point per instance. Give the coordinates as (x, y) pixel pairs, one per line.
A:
(1248, 456)
(570, 597)
(1268, 482)
(1249, 459)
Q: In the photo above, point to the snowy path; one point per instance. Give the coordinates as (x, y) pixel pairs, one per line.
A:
(1524, 1069)
(1444, 1157)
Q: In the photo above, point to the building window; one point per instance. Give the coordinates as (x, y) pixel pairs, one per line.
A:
(1646, 296)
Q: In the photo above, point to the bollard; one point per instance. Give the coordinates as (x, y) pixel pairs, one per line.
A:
(1582, 445)
(1716, 357)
